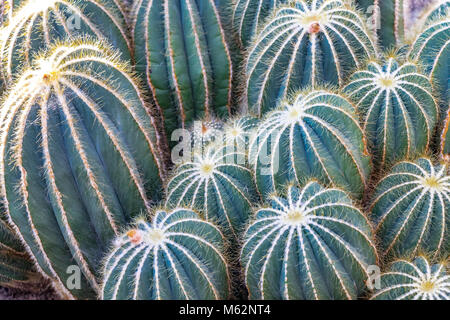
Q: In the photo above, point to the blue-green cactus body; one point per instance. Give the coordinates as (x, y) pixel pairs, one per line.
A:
(315, 136)
(79, 158)
(397, 109)
(248, 15)
(415, 280)
(410, 208)
(177, 256)
(313, 244)
(182, 55)
(432, 49)
(35, 25)
(218, 184)
(304, 44)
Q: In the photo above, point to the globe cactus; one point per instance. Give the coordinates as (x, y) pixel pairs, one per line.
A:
(216, 183)
(16, 269)
(177, 256)
(435, 10)
(239, 131)
(79, 158)
(37, 24)
(415, 280)
(312, 244)
(398, 111)
(181, 53)
(304, 44)
(432, 49)
(386, 20)
(410, 208)
(315, 136)
(249, 14)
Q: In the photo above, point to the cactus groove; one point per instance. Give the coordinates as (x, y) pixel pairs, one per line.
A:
(177, 256)
(304, 44)
(410, 208)
(78, 156)
(312, 244)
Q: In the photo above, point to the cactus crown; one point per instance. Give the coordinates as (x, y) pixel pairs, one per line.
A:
(415, 280)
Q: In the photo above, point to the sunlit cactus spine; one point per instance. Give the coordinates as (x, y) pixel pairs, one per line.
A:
(177, 256)
(418, 279)
(431, 48)
(397, 109)
(386, 19)
(182, 54)
(303, 44)
(217, 183)
(16, 269)
(248, 15)
(410, 209)
(445, 139)
(37, 24)
(79, 158)
(311, 244)
(315, 135)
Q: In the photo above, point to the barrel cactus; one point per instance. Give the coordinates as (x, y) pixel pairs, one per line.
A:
(217, 184)
(432, 49)
(177, 256)
(79, 158)
(182, 55)
(386, 19)
(239, 131)
(16, 269)
(305, 43)
(410, 208)
(419, 279)
(249, 14)
(311, 244)
(317, 135)
(398, 111)
(445, 139)
(37, 24)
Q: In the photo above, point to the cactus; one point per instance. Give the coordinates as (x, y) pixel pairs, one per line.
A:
(216, 183)
(79, 158)
(445, 139)
(16, 269)
(386, 20)
(397, 109)
(304, 44)
(182, 55)
(37, 24)
(315, 136)
(249, 14)
(313, 244)
(431, 48)
(239, 131)
(410, 208)
(177, 256)
(436, 10)
(415, 280)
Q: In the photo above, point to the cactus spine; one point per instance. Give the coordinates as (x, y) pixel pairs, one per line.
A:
(315, 136)
(304, 44)
(386, 20)
(410, 208)
(249, 14)
(415, 280)
(181, 53)
(313, 244)
(37, 24)
(177, 256)
(78, 156)
(397, 108)
(217, 184)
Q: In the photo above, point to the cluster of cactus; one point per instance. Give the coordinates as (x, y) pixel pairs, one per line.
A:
(322, 156)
